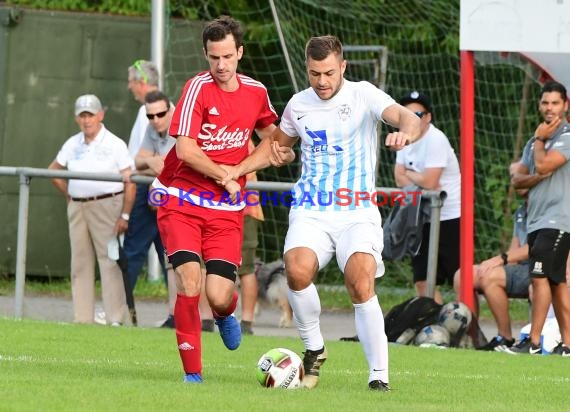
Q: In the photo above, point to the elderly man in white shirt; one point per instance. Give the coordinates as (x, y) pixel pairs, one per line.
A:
(97, 211)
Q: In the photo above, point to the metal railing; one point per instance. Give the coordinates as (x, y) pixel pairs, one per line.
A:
(26, 173)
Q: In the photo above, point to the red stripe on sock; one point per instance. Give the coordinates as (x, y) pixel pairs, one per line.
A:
(188, 332)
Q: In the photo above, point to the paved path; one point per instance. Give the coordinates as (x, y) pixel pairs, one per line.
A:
(335, 324)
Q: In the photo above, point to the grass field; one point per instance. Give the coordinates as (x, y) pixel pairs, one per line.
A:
(65, 367)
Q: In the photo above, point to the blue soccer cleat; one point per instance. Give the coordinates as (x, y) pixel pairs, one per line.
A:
(230, 331)
(193, 378)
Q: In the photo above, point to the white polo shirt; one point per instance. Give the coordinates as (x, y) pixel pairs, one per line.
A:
(105, 154)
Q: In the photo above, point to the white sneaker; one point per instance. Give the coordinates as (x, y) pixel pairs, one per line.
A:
(100, 317)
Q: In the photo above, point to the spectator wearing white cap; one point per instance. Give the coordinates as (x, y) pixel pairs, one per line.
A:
(97, 211)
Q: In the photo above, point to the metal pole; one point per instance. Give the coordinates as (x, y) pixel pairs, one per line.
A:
(284, 46)
(157, 56)
(21, 246)
(435, 214)
(157, 39)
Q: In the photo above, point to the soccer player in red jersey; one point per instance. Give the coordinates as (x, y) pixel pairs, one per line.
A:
(201, 218)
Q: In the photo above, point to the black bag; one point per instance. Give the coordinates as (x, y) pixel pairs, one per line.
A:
(414, 313)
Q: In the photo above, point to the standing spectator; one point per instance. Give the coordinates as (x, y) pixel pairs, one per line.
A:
(545, 169)
(337, 121)
(431, 164)
(143, 79)
(502, 277)
(97, 211)
(203, 218)
(143, 230)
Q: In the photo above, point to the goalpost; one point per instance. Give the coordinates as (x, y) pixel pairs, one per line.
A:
(540, 33)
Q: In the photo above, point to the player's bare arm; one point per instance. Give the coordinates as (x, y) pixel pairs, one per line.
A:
(254, 163)
(274, 150)
(187, 150)
(282, 152)
(407, 123)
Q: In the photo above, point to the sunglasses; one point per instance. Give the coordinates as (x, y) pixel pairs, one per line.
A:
(160, 115)
(138, 66)
(420, 114)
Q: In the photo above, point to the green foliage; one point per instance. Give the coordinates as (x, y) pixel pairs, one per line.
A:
(49, 366)
(123, 7)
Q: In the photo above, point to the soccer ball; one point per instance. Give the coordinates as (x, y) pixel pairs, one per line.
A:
(455, 317)
(280, 368)
(432, 335)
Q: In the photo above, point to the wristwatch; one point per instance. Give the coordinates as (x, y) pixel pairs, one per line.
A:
(505, 258)
(541, 139)
(125, 216)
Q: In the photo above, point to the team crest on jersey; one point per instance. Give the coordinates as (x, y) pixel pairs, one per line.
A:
(319, 142)
(344, 112)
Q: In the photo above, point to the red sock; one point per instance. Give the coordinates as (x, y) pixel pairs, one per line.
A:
(188, 332)
(229, 310)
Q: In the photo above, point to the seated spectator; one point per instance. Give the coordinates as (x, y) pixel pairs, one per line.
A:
(502, 277)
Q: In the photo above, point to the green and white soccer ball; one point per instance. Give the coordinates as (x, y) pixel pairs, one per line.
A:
(280, 368)
(432, 336)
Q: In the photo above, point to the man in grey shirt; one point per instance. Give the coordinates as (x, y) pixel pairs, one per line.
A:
(143, 230)
(545, 169)
(156, 142)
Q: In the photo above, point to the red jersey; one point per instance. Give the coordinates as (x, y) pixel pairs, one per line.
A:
(222, 124)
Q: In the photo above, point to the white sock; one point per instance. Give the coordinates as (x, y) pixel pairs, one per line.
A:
(370, 329)
(306, 307)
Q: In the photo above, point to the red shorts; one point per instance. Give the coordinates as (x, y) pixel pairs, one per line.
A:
(210, 233)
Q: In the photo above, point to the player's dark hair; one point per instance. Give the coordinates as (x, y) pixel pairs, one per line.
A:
(319, 48)
(218, 29)
(553, 86)
(156, 96)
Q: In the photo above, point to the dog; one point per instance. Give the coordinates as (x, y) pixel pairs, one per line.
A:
(273, 289)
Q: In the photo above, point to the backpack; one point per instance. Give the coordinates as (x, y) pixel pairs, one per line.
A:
(414, 314)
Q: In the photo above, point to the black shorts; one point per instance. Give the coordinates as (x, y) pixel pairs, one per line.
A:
(448, 253)
(548, 252)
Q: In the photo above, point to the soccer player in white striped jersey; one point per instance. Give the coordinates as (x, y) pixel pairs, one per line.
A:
(333, 211)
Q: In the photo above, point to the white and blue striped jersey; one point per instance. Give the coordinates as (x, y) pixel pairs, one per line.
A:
(339, 145)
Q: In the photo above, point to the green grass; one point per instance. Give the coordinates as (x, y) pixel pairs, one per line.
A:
(67, 367)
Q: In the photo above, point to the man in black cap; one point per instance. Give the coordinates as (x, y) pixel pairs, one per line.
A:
(431, 164)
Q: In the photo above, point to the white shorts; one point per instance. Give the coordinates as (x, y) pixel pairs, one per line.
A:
(337, 232)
